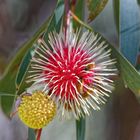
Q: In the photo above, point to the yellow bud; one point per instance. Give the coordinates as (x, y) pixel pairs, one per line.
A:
(36, 110)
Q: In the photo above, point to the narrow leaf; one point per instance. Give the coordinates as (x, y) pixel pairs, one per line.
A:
(79, 13)
(95, 7)
(138, 2)
(24, 66)
(80, 129)
(54, 22)
(7, 82)
(116, 4)
(129, 74)
(31, 134)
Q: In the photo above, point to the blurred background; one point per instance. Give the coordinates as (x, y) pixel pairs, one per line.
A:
(119, 119)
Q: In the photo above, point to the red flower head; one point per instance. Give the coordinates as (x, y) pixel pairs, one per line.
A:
(74, 71)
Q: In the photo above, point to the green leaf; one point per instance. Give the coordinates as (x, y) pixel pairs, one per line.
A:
(127, 71)
(31, 134)
(95, 7)
(54, 22)
(24, 66)
(138, 67)
(79, 13)
(80, 129)
(129, 74)
(7, 82)
(116, 4)
(138, 1)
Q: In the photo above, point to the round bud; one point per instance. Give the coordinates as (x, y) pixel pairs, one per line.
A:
(36, 110)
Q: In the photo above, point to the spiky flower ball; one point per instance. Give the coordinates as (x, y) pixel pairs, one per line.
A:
(76, 71)
(36, 110)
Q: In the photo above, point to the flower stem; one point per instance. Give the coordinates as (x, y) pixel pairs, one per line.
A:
(39, 131)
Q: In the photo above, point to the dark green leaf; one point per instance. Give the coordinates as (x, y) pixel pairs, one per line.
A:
(56, 21)
(80, 129)
(95, 7)
(138, 1)
(53, 23)
(7, 82)
(31, 134)
(129, 74)
(79, 13)
(24, 66)
(117, 14)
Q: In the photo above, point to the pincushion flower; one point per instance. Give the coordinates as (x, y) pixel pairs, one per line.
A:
(35, 110)
(75, 71)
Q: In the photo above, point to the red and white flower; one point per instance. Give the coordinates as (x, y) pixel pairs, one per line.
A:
(74, 71)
